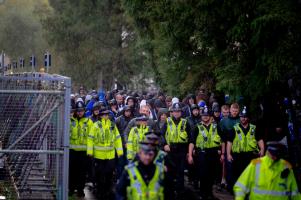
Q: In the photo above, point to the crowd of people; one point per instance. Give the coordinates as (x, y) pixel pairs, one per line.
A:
(138, 146)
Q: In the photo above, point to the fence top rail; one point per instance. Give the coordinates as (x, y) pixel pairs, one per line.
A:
(29, 76)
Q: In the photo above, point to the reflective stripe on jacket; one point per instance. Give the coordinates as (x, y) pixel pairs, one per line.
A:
(79, 131)
(136, 135)
(265, 179)
(207, 139)
(138, 190)
(176, 133)
(103, 140)
(242, 142)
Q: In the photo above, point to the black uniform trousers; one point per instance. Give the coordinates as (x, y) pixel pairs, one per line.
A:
(237, 166)
(104, 170)
(78, 166)
(208, 165)
(177, 157)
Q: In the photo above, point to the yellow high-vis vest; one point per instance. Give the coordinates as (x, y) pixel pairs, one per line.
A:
(103, 140)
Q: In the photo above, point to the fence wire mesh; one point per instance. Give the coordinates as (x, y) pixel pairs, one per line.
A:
(34, 129)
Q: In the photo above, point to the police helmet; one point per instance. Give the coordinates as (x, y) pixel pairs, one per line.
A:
(142, 118)
(80, 106)
(97, 105)
(152, 137)
(176, 107)
(104, 110)
(194, 106)
(205, 111)
(244, 112)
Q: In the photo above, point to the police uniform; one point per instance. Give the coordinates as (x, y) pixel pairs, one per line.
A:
(177, 136)
(244, 148)
(142, 182)
(136, 135)
(104, 139)
(266, 178)
(79, 130)
(207, 142)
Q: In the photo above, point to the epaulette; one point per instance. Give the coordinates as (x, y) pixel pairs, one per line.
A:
(256, 161)
(131, 165)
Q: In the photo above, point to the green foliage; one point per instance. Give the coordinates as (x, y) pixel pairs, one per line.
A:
(239, 47)
(21, 31)
(89, 36)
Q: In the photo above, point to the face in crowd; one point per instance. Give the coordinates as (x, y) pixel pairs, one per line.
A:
(119, 99)
(163, 117)
(205, 119)
(144, 110)
(80, 113)
(131, 102)
(127, 113)
(195, 112)
(244, 120)
(225, 112)
(176, 114)
(234, 111)
(146, 157)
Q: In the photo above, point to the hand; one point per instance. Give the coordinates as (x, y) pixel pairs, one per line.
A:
(167, 148)
(261, 153)
(190, 159)
(222, 158)
(229, 158)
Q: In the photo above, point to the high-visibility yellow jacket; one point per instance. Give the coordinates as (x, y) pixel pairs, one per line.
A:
(79, 130)
(103, 140)
(176, 133)
(208, 139)
(138, 190)
(265, 179)
(242, 142)
(136, 135)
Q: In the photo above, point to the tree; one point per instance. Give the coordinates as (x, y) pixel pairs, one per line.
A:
(94, 40)
(239, 47)
(21, 31)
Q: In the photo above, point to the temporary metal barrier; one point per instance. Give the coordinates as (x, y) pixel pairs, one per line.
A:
(34, 136)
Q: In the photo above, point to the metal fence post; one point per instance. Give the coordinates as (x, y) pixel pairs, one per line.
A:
(66, 138)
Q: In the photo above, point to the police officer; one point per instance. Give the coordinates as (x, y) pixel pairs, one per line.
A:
(143, 111)
(268, 177)
(242, 147)
(207, 144)
(136, 135)
(177, 134)
(95, 111)
(142, 179)
(80, 128)
(104, 139)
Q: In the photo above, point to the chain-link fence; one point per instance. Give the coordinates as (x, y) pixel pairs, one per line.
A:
(34, 136)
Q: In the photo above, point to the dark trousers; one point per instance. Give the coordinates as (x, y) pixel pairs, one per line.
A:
(208, 166)
(78, 165)
(177, 172)
(104, 170)
(237, 166)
